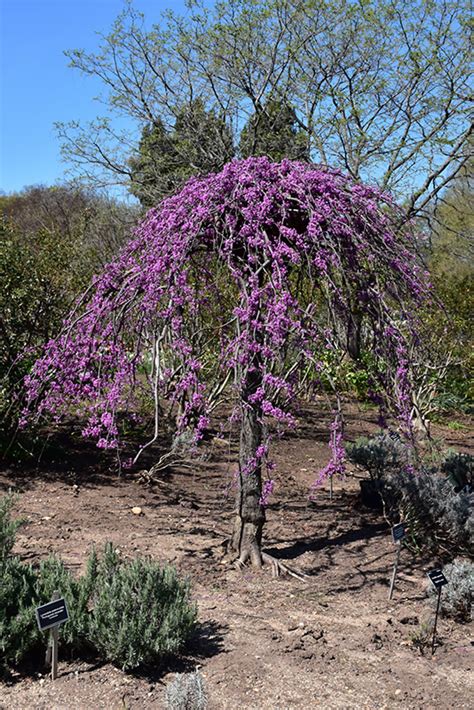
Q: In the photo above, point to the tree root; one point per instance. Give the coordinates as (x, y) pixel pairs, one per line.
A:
(279, 568)
(149, 477)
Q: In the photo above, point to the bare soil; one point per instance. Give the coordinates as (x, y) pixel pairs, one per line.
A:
(332, 641)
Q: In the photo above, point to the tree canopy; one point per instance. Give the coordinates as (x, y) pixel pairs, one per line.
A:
(290, 260)
(199, 143)
(273, 131)
(379, 88)
(52, 241)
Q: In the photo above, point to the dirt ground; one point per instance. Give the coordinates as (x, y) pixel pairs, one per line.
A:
(331, 641)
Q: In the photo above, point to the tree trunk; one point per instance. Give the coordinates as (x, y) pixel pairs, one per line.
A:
(250, 518)
(354, 328)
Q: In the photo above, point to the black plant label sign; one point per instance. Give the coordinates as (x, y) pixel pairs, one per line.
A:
(398, 532)
(437, 578)
(52, 614)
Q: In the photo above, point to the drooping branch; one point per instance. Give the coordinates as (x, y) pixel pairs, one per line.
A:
(262, 267)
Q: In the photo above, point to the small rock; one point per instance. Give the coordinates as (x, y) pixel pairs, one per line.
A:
(312, 634)
(377, 641)
(137, 510)
(294, 626)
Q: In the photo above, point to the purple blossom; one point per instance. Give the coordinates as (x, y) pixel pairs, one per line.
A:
(265, 223)
(267, 490)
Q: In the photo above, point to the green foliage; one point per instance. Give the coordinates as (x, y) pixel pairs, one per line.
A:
(450, 259)
(459, 468)
(141, 611)
(199, 142)
(37, 286)
(53, 576)
(130, 613)
(438, 517)
(8, 527)
(356, 379)
(435, 502)
(452, 249)
(421, 637)
(52, 240)
(379, 454)
(186, 692)
(36, 282)
(447, 334)
(456, 426)
(457, 595)
(19, 633)
(23, 588)
(273, 131)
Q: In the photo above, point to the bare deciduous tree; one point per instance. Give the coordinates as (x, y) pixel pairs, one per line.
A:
(380, 88)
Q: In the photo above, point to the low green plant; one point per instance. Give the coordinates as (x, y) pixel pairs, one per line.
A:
(19, 633)
(421, 637)
(53, 576)
(130, 612)
(456, 426)
(8, 527)
(438, 517)
(186, 692)
(459, 468)
(435, 497)
(378, 454)
(457, 595)
(140, 611)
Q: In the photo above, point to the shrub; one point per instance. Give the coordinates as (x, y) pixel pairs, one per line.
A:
(131, 613)
(141, 611)
(53, 576)
(186, 692)
(437, 516)
(459, 469)
(456, 596)
(421, 636)
(19, 633)
(379, 454)
(8, 527)
(437, 505)
(52, 240)
(23, 588)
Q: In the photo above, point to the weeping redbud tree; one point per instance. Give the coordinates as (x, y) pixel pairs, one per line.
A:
(239, 286)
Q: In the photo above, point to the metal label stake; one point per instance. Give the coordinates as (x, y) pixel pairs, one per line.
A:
(398, 533)
(50, 616)
(438, 580)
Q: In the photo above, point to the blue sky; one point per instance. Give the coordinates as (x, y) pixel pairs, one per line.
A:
(37, 86)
